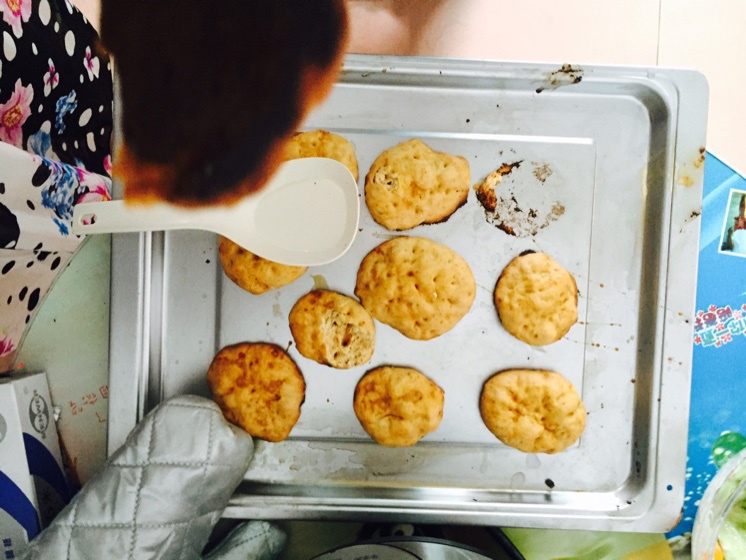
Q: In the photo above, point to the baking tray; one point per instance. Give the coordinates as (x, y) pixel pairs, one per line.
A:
(610, 167)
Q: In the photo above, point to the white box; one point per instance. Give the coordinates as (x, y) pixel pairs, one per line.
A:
(33, 488)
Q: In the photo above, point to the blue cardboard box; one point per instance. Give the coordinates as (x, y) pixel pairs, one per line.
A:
(33, 488)
(717, 425)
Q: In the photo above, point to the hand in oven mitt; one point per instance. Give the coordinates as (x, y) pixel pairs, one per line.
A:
(161, 493)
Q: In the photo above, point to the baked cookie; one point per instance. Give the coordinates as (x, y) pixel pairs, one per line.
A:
(258, 387)
(254, 273)
(536, 299)
(415, 285)
(320, 143)
(534, 411)
(398, 406)
(332, 329)
(411, 184)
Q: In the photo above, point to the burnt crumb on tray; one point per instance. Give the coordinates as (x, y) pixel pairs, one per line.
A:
(486, 189)
(486, 197)
(506, 168)
(517, 204)
(507, 229)
(565, 76)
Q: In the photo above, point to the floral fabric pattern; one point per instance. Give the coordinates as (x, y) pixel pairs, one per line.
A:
(51, 79)
(56, 96)
(52, 69)
(15, 12)
(91, 63)
(6, 346)
(15, 112)
(64, 105)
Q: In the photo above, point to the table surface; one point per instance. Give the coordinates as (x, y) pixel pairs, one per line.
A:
(69, 338)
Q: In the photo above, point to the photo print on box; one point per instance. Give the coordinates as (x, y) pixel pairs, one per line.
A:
(733, 238)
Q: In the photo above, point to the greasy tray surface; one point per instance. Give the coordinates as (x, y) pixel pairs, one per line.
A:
(608, 183)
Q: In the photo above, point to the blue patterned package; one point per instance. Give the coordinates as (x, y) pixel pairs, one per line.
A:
(717, 426)
(32, 491)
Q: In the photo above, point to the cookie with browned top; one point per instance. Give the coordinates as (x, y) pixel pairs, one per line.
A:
(252, 272)
(536, 299)
(412, 184)
(535, 411)
(332, 329)
(397, 406)
(321, 143)
(258, 387)
(415, 285)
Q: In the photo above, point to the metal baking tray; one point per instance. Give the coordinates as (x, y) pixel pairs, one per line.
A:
(611, 161)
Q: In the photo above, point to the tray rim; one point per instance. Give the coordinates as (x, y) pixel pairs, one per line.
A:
(669, 401)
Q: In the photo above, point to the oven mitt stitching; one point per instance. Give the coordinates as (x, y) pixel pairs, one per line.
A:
(165, 511)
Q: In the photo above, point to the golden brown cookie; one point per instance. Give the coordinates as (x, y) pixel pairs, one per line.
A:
(332, 329)
(415, 285)
(254, 273)
(398, 406)
(534, 411)
(320, 143)
(536, 299)
(411, 184)
(258, 387)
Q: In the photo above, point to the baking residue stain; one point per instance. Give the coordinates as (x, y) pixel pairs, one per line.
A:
(692, 170)
(542, 172)
(276, 310)
(319, 282)
(699, 161)
(517, 481)
(516, 207)
(385, 236)
(686, 180)
(565, 76)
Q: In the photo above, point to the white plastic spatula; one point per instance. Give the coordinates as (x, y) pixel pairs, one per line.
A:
(306, 215)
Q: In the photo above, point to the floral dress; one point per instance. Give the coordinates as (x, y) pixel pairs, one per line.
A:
(55, 151)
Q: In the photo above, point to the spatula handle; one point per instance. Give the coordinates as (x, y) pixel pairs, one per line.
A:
(115, 216)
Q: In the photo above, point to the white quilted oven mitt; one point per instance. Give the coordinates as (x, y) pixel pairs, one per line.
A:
(161, 493)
